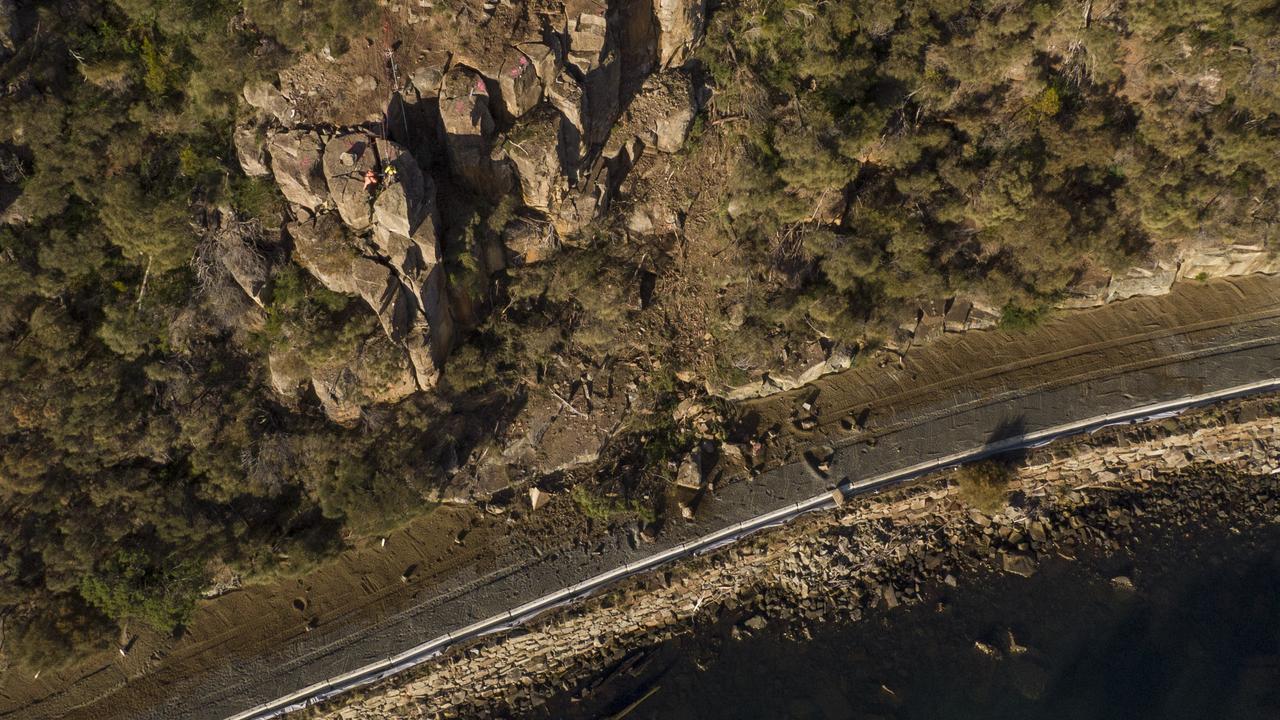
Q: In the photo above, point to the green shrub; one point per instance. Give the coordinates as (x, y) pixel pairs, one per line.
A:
(608, 509)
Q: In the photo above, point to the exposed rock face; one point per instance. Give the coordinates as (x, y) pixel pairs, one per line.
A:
(365, 217)
(468, 127)
(519, 86)
(534, 150)
(663, 111)
(298, 166)
(250, 151)
(545, 59)
(566, 95)
(1154, 280)
(593, 60)
(379, 373)
(596, 187)
(321, 246)
(399, 207)
(267, 98)
(1227, 262)
(346, 161)
(412, 309)
(680, 25)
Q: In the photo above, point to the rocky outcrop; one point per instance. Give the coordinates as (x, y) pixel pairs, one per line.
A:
(1155, 279)
(298, 166)
(251, 151)
(379, 372)
(596, 187)
(321, 246)
(593, 60)
(1230, 261)
(468, 128)
(662, 112)
(267, 99)
(347, 161)
(680, 25)
(324, 248)
(534, 151)
(382, 244)
(565, 94)
(534, 115)
(519, 85)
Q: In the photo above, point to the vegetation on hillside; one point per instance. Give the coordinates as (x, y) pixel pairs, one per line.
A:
(911, 149)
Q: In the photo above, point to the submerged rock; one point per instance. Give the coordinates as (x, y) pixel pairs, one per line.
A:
(1019, 564)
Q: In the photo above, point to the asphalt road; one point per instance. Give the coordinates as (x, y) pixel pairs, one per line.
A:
(1164, 367)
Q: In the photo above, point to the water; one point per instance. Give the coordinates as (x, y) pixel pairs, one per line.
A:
(1199, 638)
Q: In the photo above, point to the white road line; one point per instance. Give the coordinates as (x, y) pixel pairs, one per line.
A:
(421, 653)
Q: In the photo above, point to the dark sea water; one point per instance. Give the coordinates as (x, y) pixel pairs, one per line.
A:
(1197, 637)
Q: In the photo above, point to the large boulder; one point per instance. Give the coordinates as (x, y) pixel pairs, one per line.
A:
(468, 127)
(545, 58)
(251, 151)
(567, 97)
(406, 198)
(405, 217)
(680, 25)
(519, 86)
(322, 246)
(594, 59)
(268, 99)
(347, 159)
(379, 287)
(663, 111)
(377, 372)
(287, 371)
(247, 267)
(1155, 279)
(533, 148)
(298, 166)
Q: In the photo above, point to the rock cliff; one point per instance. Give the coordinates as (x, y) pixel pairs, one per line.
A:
(552, 109)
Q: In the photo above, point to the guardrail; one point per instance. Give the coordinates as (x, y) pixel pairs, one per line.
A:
(419, 654)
